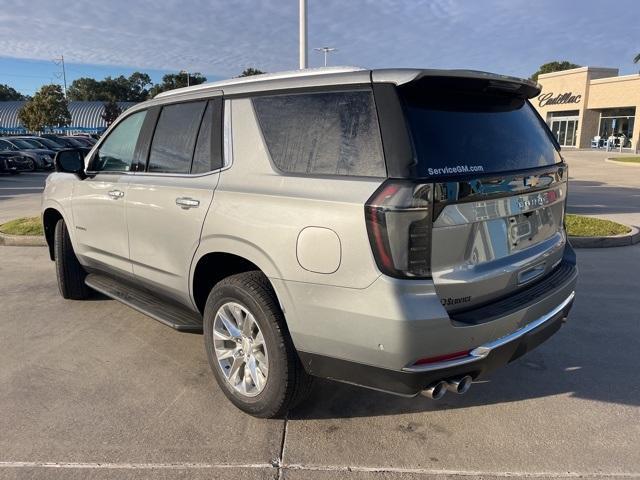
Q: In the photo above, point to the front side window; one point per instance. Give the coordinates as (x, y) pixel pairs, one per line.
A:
(324, 133)
(175, 137)
(117, 152)
(4, 146)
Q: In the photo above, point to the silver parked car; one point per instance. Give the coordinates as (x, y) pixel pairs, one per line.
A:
(397, 229)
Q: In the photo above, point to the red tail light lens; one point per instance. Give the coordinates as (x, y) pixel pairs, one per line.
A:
(399, 221)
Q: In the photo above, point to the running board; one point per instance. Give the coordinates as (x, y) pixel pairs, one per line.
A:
(170, 314)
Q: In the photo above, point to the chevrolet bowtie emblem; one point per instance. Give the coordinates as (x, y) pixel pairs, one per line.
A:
(531, 181)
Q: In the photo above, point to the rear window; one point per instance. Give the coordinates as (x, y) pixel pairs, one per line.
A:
(461, 128)
(325, 133)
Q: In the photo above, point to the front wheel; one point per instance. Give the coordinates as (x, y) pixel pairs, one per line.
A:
(70, 273)
(249, 348)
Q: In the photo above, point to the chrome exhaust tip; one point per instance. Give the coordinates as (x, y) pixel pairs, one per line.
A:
(459, 385)
(436, 390)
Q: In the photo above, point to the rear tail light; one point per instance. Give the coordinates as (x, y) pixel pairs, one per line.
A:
(399, 223)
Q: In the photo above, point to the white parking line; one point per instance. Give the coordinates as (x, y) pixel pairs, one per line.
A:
(322, 468)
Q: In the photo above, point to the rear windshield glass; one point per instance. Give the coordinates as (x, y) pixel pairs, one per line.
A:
(465, 128)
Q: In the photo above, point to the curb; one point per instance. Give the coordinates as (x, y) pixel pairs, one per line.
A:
(627, 239)
(629, 164)
(22, 240)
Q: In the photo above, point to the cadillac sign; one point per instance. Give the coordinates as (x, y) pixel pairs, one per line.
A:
(560, 99)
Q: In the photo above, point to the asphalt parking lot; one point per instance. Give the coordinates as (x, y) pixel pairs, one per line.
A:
(20, 194)
(95, 390)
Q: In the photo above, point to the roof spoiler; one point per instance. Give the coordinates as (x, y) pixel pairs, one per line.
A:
(490, 81)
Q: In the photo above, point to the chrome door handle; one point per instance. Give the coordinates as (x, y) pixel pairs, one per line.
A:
(186, 202)
(116, 194)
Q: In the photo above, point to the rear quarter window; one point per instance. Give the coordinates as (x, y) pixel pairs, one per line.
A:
(323, 133)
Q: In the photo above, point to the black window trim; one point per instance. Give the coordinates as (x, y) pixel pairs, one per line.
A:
(356, 87)
(142, 150)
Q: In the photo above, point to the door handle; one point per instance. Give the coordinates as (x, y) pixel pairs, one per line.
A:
(186, 202)
(116, 194)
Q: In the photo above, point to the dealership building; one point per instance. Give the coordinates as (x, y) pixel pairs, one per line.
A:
(85, 117)
(591, 107)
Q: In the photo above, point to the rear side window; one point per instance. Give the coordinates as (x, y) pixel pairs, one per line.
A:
(330, 133)
(208, 154)
(116, 152)
(460, 128)
(175, 137)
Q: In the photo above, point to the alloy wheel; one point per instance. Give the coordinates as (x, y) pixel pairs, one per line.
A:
(240, 349)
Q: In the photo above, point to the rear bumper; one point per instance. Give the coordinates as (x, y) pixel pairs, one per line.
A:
(374, 336)
(478, 363)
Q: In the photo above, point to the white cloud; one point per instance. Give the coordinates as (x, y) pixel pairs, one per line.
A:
(223, 37)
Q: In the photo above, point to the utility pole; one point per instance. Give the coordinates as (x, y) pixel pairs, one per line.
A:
(326, 50)
(60, 61)
(303, 34)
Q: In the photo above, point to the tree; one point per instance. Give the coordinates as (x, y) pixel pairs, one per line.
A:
(123, 89)
(554, 66)
(111, 112)
(85, 89)
(171, 81)
(7, 94)
(250, 71)
(47, 108)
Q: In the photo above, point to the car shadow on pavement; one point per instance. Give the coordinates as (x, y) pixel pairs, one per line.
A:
(530, 377)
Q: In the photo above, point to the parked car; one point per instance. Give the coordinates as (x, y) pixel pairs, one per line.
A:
(13, 163)
(45, 143)
(42, 158)
(85, 141)
(368, 226)
(63, 141)
(75, 142)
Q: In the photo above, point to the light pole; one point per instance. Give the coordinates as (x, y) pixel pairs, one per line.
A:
(303, 34)
(326, 50)
(187, 74)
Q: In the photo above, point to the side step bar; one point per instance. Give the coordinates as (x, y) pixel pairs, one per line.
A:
(175, 316)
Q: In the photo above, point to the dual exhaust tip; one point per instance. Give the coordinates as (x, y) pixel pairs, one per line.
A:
(459, 385)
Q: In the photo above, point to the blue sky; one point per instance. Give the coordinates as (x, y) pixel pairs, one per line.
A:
(222, 37)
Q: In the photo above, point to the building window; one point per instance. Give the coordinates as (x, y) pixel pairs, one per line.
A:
(617, 124)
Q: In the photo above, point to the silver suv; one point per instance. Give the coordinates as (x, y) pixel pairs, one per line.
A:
(398, 229)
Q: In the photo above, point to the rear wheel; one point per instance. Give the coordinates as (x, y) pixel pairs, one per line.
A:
(249, 348)
(70, 273)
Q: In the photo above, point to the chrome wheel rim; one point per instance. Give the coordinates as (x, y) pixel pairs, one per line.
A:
(240, 349)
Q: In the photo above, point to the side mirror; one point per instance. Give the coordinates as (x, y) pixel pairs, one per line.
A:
(71, 161)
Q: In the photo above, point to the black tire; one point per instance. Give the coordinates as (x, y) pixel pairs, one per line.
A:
(287, 383)
(70, 273)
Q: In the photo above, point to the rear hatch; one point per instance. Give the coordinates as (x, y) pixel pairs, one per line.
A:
(499, 187)
(481, 209)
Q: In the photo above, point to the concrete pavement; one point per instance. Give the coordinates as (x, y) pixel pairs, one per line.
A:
(95, 390)
(602, 189)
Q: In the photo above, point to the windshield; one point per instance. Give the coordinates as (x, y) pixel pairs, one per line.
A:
(74, 142)
(21, 143)
(31, 143)
(459, 127)
(49, 143)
